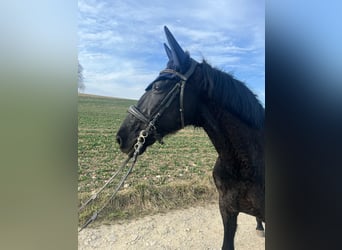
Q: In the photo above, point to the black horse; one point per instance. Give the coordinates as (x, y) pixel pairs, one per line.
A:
(192, 93)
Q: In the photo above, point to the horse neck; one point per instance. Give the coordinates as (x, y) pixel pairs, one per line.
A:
(231, 137)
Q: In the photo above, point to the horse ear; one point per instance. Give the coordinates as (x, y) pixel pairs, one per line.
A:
(168, 51)
(178, 55)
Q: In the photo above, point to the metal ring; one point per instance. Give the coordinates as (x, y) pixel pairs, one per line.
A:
(141, 139)
(143, 133)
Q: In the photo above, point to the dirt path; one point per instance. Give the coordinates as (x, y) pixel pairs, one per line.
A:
(193, 228)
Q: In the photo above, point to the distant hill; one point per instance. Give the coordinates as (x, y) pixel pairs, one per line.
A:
(99, 96)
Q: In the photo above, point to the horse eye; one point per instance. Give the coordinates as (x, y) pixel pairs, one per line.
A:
(157, 86)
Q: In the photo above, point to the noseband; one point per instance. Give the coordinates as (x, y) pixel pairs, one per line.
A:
(168, 99)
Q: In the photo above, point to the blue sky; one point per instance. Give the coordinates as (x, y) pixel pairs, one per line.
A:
(121, 42)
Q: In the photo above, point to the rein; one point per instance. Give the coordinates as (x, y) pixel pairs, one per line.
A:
(140, 142)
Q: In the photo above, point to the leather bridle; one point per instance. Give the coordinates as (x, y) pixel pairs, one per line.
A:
(166, 102)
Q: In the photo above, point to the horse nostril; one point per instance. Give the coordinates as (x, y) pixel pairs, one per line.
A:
(118, 140)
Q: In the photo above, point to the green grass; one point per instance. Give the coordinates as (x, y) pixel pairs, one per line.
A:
(176, 174)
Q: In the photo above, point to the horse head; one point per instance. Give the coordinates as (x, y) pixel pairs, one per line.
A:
(168, 104)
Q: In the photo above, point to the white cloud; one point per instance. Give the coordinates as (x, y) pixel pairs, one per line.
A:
(120, 42)
(90, 7)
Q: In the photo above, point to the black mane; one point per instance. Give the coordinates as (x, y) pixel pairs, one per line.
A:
(233, 95)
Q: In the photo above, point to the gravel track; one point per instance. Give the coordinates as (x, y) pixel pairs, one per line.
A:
(193, 228)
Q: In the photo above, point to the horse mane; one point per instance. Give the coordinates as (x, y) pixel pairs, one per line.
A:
(233, 95)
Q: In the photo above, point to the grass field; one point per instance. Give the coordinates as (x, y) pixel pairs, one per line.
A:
(176, 174)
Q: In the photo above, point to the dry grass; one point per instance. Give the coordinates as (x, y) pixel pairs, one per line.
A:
(143, 199)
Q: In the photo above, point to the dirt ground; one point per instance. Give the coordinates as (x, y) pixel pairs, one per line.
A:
(193, 228)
